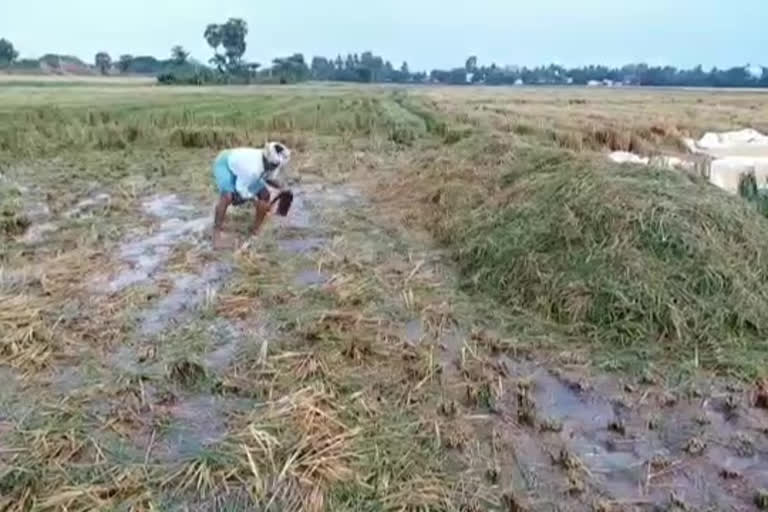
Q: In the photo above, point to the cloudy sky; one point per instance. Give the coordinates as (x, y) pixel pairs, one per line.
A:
(426, 33)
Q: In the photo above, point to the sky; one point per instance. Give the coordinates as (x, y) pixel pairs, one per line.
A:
(426, 33)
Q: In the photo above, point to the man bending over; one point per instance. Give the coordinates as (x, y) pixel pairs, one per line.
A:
(242, 176)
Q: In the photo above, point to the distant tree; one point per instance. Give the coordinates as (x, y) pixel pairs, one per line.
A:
(8, 53)
(231, 37)
(179, 55)
(471, 65)
(146, 64)
(103, 62)
(212, 35)
(291, 69)
(388, 70)
(322, 68)
(124, 63)
(339, 63)
(404, 68)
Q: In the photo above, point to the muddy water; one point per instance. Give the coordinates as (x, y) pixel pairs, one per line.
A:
(148, 255)
(309, 277)
(166, 206)
(641, 453)
(144, 256)
(189, 292)
(125, 360)
(414, 331)
(227, 343)
(38, 232)
(197, 422)
(634, 446)
(301, 245)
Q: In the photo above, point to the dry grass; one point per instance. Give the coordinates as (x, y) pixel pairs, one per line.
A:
(25, 339)
(297, 448)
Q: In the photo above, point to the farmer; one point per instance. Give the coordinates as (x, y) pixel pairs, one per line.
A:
(242, 175)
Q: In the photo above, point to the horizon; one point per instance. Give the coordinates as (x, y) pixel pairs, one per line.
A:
(683, 35)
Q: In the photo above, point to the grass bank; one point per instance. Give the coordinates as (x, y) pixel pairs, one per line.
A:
(644, 266)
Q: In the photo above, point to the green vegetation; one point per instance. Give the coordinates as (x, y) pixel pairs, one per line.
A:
(8, 53)
(644, 264)
(103, 62)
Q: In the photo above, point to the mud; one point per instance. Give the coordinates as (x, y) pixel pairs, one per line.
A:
(167, 206)
(300, 215)
(38, 232)
(414, 331)
(88, 206)
(197, 422)
(301, 245)
(639, 453)
(125, 360)
(304, 212)
(67, 379)
(226, 345)
(38, 214)
(188, 293)
(37, 211)
(309, 277)
(146, 255)
(568, 438)
(232, 500)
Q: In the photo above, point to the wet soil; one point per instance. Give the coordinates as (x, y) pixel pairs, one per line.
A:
(551, 435)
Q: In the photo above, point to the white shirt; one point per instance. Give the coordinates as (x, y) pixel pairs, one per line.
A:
(247, 164)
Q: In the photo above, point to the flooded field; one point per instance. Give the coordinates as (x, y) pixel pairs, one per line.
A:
(438, 324)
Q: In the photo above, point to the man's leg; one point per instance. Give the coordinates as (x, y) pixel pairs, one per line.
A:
(218, 219)
(225, 183)
(261, 209)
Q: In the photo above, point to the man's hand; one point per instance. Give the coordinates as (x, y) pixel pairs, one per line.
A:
(237, 199)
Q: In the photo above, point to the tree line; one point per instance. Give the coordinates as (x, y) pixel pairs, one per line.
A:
(227, 65)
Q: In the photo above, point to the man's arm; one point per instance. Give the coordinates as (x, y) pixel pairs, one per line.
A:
(270, 178)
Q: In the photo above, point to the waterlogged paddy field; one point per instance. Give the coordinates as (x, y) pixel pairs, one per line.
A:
(466, 309)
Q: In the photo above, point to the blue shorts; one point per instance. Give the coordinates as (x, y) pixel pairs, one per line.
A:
(225, 178)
